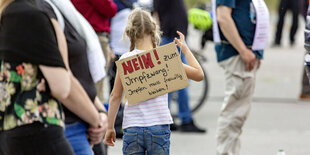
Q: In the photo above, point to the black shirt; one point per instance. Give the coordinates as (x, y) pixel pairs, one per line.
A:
(78, 61)
(172, 15)
(27, 40)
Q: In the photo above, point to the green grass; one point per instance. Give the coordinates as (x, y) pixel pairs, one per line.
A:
(272, 4)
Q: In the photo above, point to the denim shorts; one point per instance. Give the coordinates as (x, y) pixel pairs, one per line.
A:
(153, 140)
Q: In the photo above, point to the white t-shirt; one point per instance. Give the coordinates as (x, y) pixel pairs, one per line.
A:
(118, 25)
(152, 112)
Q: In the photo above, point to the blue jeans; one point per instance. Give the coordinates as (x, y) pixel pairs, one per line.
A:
(151, 140)
(76, 133)
(183, 98)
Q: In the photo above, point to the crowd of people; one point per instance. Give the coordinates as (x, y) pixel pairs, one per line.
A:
(56, 54)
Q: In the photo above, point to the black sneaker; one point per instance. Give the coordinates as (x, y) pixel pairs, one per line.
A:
(275, 45)
(292, 43)
(191, 127)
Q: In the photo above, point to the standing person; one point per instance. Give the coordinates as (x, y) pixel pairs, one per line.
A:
(240, 63)
(307, 47)
(119, 46)
(98, 14)
(171, 16)
(146, 130)
(80, 135)
(32, 77)
(285, 5)
(305, 87)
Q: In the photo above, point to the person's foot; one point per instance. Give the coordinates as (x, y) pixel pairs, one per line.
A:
(304, 97)
(191, 127)
(292, 43)
(275, 44)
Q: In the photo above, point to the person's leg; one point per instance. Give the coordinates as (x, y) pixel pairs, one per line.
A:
(183, 98)
(281, 12)
(295, 11)
(183, 101)
(166, 40)
(104, 41)
(305, 88)
(100, 149)
(236, 107)
(100, 89)
(133, 141)
(76, 134)
(105, 45)
(184, 112)
(158, 140)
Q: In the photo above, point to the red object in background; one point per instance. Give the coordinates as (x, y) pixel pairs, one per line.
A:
(97, 12)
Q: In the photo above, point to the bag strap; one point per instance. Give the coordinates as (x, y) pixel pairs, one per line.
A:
(59, 16)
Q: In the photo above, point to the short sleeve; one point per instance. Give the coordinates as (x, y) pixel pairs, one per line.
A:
(125, 55)
(228, 3)
(27, 35)
(47, 9)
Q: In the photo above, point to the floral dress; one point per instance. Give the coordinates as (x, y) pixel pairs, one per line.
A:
(25, 97)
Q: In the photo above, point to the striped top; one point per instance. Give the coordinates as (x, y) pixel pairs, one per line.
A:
(152, 112)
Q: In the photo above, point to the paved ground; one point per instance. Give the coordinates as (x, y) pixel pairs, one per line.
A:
(277, 120)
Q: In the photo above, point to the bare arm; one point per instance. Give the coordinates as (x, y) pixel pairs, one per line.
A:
(78, 101)
(95, 135)
(230, 31)
(193, 70)
(114, 103)
(58, 80)
(156, 16)
(98, 104)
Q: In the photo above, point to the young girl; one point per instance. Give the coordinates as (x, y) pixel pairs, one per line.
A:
(146, 124)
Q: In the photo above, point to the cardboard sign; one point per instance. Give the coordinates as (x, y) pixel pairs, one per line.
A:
(152, 73)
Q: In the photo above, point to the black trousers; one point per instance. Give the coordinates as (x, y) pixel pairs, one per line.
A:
(285, 5)
(100, 149)
(35, 139)
(305, 87)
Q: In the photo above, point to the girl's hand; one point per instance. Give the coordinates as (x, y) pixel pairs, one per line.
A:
(110, 137)
(181, 42)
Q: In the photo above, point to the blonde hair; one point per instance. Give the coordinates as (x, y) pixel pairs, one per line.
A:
(141, 23)
(3, 5)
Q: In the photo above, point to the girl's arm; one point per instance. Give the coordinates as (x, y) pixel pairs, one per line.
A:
(114, 103)
(193, 69)
(78, 101)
